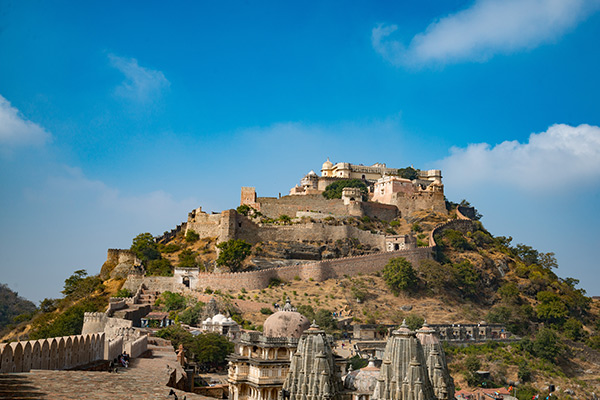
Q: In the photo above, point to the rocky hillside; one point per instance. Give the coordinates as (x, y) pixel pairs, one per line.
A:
(13, 307)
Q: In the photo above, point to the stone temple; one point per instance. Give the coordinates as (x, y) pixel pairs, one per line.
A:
(314, 373)
(405, 371)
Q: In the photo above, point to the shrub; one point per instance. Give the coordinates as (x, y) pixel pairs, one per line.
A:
(187, 259)
(546, 345)
(191, 236)
(408, 173)
(334, 190)
(124, 293)
(524, 372)
(208, 290)
(285, 219)
(170, 248)
(395, 223)
(160, 267)
(172, 301)
(466, 277)
(191, 315)
(296, 278)
(274, 282)
(457, 240)
(266, 311)
(414, 322)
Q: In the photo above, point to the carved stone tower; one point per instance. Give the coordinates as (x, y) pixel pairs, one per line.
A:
(442, 382)
(403, 373)
(313, 371)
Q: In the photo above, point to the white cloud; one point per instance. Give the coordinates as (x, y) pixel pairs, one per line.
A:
(15, 130)
(69, 184)
(562, 157)
(486, 28)
(141, 84)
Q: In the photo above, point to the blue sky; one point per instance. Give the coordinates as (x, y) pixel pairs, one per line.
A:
(120, 117)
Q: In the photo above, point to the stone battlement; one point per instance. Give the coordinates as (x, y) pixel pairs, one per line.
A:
(53, 353)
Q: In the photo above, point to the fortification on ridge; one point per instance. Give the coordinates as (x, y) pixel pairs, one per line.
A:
(390, 197)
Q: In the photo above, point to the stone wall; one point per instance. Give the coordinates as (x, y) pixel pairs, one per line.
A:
(319, 271)
(96, 322)
(206, 225)
(54, 353)
(137, 347)
(113, 348)
(313, 231)
(289, 205)
(408, 203)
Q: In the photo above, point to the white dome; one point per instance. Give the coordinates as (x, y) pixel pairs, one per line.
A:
(327, 164)
(218, 319)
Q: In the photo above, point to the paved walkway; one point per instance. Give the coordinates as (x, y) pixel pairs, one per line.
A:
(145, 379)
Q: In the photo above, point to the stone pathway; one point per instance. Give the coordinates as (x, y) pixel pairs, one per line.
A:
(144, 380)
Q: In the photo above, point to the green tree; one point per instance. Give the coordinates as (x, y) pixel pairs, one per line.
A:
(414, 322)
(243, 209)
(457, 240)
(573, 329)
(546, 345)
(209, 349)
(324, 318)
(408, 173)
(437, 277)
(509, 292)
(69, 322)
(172, 301)
(524, 372)
(191, 315)
(357, 362)
(145, 248)
(400, 275)
(191, 236)
(80, 285)
(187, 259)
(160, 267)
(466, 277)
(233, 253)
(334, 190)
(551, 308)
(307, 311)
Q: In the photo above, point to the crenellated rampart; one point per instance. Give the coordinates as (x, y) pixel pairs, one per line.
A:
(59, 353)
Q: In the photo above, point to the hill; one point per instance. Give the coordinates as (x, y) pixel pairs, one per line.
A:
(13, 307)
(472, 277)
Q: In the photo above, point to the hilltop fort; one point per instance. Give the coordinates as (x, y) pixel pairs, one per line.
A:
(310, 236)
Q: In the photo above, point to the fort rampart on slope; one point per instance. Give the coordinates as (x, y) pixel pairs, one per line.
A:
(317, 271)
(64, 352)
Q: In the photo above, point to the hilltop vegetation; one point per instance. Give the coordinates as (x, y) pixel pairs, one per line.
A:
(13, 307)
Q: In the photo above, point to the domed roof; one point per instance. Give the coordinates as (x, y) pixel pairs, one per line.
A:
(286, 323)
(327, 164)
(218, 319)
(363, 380)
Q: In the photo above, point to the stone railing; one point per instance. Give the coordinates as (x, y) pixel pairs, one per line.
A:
(118, 303)
(137, 347)
(113, 348)
(54, 353)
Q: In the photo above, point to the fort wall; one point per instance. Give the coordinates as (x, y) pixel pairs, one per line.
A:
(53, 353)
(408, 203)
(319, 271)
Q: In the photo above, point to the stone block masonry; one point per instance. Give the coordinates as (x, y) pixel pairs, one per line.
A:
(53, 353)
(319, 271)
